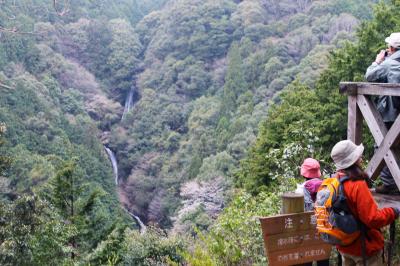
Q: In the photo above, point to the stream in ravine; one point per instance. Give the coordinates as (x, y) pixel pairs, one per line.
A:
(113, 158)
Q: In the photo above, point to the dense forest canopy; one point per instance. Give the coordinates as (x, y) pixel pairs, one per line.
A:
(208, 107)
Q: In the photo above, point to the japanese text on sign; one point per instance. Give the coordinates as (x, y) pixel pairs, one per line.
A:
(293, 239)
(296, 239)
(298, 255)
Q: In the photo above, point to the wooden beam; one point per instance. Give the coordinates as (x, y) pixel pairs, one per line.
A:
(385, 140)
(384, 200)
(349, 88)
(386, 153)
(354, 121)
(353, 88)
(391, 139)
(374, 168)
(373, 118)
(378, 130)
(392, 162)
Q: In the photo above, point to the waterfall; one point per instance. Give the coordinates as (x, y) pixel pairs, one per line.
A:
(114, 163)
(141, 224)
(113, 160)
(128, 102)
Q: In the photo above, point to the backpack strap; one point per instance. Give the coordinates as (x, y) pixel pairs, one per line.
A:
(343, 179)
(341, 197)
(363, 227)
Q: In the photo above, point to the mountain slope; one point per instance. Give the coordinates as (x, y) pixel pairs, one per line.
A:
(209, 70)
(198, 75)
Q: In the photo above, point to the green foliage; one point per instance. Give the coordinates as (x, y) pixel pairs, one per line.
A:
(151, 248)
(221, 164)
(110, 250)
(80, 206)
(187, 29)
(320, 111)
(234, 80)
(203, 72)
(285, 133)
(32, 234)
(236, 238)
(217, 64)
(199, 257)
(4, 159)
(125, 47)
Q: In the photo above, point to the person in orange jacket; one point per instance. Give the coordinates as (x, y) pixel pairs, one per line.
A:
(347, 158)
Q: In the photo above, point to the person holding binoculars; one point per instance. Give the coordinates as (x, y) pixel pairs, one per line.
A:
(386, 69)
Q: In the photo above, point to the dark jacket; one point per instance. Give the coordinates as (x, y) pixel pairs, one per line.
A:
(386, 72)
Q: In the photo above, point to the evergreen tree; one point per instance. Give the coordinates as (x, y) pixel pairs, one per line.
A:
(235, 83)
(75, 203)
(32, 234)
(223, 133)
(4, 159)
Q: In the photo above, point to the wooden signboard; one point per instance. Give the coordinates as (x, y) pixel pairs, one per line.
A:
(292, 239)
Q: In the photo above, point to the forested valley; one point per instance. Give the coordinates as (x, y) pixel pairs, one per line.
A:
(155, 132)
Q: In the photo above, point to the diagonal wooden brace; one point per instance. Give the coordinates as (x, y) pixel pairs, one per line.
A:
(385, 153)
(373, 118)
(377, 128)
(385, 140)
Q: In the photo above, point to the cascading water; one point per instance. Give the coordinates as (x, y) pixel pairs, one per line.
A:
(141, 224)
(113, 159)
(114, 163)
(128, 102)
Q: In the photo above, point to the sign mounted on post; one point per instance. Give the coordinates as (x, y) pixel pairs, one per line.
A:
(292, 239)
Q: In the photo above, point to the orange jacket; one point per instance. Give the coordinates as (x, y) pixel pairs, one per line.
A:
(364, 208)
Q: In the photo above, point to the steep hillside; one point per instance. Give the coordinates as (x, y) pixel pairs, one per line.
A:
(55, 107)
(176, 89)
(192, 97)
(209, 70)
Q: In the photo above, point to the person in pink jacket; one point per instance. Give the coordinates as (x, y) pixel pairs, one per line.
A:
(310, 170)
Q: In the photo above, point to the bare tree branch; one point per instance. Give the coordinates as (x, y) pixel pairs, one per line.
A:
(64, 10)
(10, 30)
(5, 86)
(15, 30)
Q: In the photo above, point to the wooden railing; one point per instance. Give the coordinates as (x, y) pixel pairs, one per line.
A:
(360, 107)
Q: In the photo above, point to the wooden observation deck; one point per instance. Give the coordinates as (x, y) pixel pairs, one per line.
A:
(360, 108)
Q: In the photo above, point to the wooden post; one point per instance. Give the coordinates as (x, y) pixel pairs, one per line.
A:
(292, 203)
(361, 107)
(354, 121)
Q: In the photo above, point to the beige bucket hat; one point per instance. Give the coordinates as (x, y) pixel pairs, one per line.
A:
(393, 40)
(345, 153)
